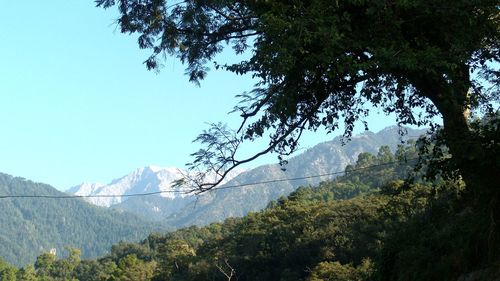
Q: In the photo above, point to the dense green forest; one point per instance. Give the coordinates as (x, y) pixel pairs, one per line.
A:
(385, 219)
(31, 226)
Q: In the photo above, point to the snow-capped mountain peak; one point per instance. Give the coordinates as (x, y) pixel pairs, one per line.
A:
(85, 188)
(142, 180)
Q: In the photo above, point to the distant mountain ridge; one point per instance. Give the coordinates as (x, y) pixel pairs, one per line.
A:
(178, 211)
(150, 179)
(324, 158)
(147, 179)
(31, 226)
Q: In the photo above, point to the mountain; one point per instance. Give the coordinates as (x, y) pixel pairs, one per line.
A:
(178, 211)
(325, 158)
(147, 179)
(364, 225)
(150, 179)
(31, 226)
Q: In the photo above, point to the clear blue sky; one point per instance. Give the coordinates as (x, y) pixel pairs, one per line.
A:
(78, 105)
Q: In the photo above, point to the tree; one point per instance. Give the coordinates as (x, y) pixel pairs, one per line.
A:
(44, 264)
(27, 274)
(339, 272)
(89, 270)
(63, 268)
(174, 258)
(320, 62)
(8, 274)
(134, 269)
(7, 271)
(385, 155)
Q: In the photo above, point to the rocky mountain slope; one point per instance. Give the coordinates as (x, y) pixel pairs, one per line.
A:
(147, 179)
(324, 158)
(181, 210)
(150, 179)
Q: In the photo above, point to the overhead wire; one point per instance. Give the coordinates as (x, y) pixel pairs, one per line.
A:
(313, 176)
(192, 191)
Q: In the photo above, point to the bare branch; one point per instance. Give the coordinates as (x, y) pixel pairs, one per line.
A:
(218, 136)
(229, 272)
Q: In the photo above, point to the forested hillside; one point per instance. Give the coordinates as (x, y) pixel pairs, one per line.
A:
(426, 211)
(327, 157)
(31, 226)
(371, 224)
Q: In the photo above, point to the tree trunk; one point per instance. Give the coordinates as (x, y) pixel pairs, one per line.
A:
(478, 169)
(450, 96)
(476, 163)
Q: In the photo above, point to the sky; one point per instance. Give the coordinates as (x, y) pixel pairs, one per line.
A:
(78, 105)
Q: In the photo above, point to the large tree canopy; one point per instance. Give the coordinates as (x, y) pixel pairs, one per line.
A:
(321, 62)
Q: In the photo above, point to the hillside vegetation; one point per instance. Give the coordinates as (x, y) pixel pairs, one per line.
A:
(370, 224)
(32, 226)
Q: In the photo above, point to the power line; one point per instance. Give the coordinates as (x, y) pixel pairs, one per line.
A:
(313, 176)
(90, 196)
(214, 189)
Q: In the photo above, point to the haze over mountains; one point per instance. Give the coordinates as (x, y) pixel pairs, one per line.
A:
(32, 226)
(147, 179)
(142, 180)
(178, 209)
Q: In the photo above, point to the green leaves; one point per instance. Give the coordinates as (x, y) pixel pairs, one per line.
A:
(337, 271)
(320, 63)
(30, 226)
(341, 230)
